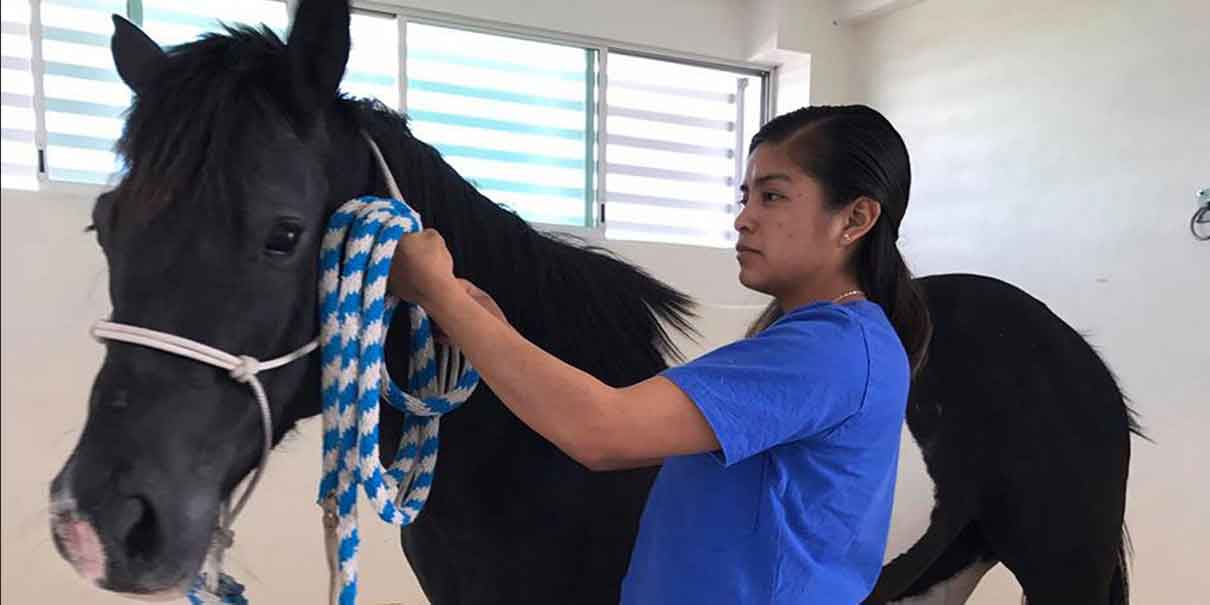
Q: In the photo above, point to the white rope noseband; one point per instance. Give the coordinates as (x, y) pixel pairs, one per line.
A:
(242, 369)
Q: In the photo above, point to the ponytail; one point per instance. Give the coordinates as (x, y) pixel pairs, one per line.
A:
(766, 318)
(886, 280)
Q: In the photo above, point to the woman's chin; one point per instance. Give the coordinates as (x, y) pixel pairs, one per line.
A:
(749, 280)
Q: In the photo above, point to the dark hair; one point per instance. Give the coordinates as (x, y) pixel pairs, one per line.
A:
(853, 151)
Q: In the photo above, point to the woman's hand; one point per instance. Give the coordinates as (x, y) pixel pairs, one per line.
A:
(422, 268)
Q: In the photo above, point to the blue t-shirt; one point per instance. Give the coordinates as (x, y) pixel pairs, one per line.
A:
(796, 506)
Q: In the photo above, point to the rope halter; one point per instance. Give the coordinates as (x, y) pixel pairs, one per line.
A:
(242, 369)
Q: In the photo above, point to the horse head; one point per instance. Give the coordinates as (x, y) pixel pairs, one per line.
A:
(212, 234)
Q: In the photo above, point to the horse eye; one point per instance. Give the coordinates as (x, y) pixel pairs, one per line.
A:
(283, 238)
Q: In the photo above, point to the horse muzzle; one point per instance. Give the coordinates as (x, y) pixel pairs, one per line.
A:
(128, 541)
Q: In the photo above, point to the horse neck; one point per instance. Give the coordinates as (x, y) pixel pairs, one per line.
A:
(579, 304)
(351, 168)
(490, 246)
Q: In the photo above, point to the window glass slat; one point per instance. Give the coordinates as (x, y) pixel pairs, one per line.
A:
(18, 154)
(673, 150)
(511, 115)
(84, 96)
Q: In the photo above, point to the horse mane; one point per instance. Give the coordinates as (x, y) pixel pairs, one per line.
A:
(188, 130)
(579, 302)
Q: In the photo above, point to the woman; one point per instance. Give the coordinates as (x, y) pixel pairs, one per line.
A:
(779, 450)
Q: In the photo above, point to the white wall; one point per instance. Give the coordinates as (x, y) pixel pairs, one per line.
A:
(706, 27)
(1058, 145)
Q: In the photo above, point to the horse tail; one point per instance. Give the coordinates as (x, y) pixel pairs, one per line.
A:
(1119, 589)
(655, 308)
(620, 306)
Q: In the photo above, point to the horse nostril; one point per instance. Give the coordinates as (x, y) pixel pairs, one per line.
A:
(137, 529)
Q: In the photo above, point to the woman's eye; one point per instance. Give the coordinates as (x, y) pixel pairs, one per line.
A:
(283, 238)
(772, 197)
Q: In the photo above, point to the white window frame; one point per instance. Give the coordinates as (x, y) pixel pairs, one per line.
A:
(595, 232)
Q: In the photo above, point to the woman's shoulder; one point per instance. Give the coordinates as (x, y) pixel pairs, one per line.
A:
(852, 318)
(836, 329)
(859, 328)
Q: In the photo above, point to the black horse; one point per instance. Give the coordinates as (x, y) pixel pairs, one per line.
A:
(238, 146)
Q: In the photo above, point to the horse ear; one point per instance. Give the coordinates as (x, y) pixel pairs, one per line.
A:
(318, 48)
(137, 57)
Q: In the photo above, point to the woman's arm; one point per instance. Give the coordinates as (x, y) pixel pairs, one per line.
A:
(602, 427)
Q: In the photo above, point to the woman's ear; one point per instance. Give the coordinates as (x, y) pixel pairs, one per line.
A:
(861, 216)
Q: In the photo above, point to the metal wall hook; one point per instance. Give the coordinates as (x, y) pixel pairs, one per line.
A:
(1201, 217)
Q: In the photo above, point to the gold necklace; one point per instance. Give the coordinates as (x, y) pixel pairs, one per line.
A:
(847, 295)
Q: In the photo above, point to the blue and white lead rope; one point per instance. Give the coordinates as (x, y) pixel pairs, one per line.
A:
(355, 311)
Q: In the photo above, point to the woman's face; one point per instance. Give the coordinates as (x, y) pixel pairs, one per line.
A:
(788, 237)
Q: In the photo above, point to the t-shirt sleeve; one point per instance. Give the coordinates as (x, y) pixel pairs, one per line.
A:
(800, 377)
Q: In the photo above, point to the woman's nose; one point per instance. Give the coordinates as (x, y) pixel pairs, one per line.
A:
(743, 220)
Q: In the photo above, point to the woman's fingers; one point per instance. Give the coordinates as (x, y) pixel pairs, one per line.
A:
(421, 266)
